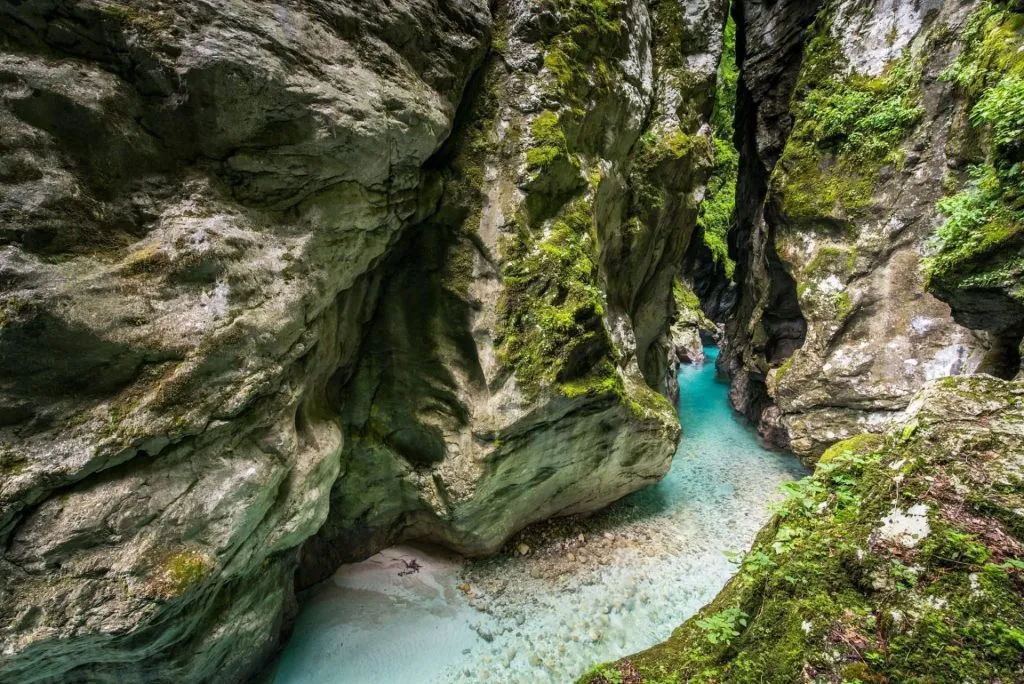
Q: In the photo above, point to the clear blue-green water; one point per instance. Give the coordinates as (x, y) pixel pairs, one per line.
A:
(589, 590)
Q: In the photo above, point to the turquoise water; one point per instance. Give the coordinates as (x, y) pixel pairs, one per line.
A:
(588, 590)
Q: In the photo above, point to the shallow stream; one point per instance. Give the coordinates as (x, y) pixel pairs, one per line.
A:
(586, 590)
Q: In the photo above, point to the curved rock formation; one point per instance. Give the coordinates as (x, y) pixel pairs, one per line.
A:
(281, 284)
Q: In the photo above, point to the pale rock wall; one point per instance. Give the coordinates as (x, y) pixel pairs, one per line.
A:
(836, 330)
(192, 196)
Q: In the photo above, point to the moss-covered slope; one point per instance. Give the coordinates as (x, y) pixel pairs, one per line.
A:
(900, 560)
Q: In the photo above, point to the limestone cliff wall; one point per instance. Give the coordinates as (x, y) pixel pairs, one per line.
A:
(282, 284)
(193, 198)
(503, 379)
(851, 133)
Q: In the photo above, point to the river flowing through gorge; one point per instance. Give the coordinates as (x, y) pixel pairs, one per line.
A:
(562, 595)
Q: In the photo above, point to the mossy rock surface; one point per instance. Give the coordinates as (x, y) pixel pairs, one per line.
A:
(976, 262)
(900, 560)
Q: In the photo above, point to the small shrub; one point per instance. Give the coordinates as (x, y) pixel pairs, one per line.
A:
(722, 627)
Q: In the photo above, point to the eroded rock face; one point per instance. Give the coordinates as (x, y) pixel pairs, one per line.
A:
(835, 331)
(503, 377)
(352, 270)
(976, 260)
(193, 197)
(690, 330)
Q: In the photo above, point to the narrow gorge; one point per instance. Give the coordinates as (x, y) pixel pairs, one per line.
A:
(608, 341)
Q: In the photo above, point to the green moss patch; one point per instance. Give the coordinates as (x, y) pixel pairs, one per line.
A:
(981, 242)
(180, 571)
(847, 127)
(716, 210)
(148, 260)
(688, 309)
(548, 139)
(829, 593)
(575, 56)
(552, 329)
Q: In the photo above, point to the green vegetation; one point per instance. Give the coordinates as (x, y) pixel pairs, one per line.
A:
(552, 332)
(827, 304)
(724, 112)
(685, 298)
(604, 673)
(548, 139)
(784, 369)
(723, 626)
(847, 127)
(579, 58)
(10, 307)
(688, 309)
(551, 329)
(145, 261)
(181, 571)
(981, 243)
(134, 17)
(832, 259)
(979, 222)
(716, 210)
(652, 151)
(574, 56)
(824, 595)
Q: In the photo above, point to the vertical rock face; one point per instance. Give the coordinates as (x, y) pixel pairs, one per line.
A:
(690, 329)
(192, 197)
(281, 285)
(977, 261)
(849, 129)
(503, 377)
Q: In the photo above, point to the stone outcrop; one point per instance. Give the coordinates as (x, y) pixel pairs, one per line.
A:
(690, 331)
(899, 560)
(846, 130)
(283, 284)
(503, 377)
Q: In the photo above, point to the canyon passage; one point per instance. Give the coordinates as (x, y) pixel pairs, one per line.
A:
(294, 295)
(534, 617)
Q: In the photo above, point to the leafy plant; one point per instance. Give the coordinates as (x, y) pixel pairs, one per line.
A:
(721, 628)
(904, 577)
(785, 538)
(975, 246)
